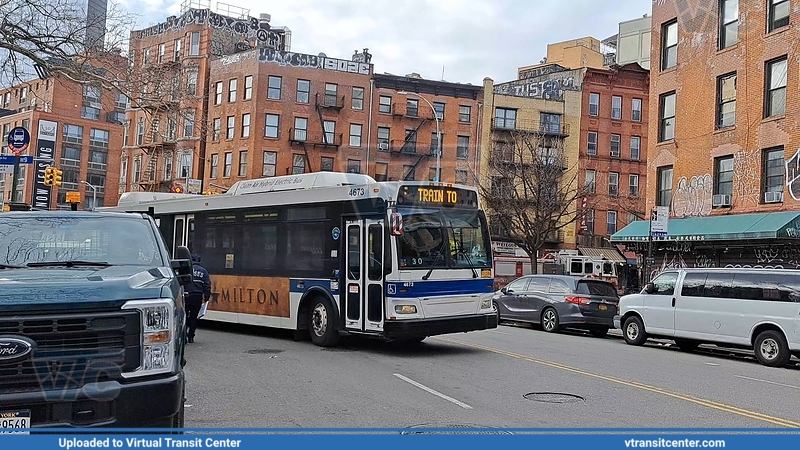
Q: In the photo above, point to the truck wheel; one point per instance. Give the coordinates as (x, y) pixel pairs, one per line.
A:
(633, 331)
(771, 349)
(321, 323)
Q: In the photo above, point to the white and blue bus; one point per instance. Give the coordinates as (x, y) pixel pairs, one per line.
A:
(337, 254)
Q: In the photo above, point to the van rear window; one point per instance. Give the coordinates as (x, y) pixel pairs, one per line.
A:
(597, 288)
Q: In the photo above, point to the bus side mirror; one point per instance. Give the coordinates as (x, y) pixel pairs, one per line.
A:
(396, 224)
(182, 265)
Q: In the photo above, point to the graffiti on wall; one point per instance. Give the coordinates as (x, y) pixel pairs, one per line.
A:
(312, 61)
(250, 27)
(692, 198)
(793, 175)
(746, 177)
(540, 71)
(547, 89)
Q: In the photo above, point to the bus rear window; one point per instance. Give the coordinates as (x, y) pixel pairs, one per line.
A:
(597, 288)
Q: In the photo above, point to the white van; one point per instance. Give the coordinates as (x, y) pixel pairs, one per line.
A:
(740, 308)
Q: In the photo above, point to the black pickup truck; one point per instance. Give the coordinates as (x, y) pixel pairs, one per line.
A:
(91, 322)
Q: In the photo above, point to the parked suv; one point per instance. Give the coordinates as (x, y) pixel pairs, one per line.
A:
(559, 301)
(91, 322)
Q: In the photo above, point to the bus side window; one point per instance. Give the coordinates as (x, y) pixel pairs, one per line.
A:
(375, 252)
(178, 241)
(190, 234)
(354, 252)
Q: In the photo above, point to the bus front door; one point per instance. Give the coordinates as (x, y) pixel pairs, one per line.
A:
(363, 294)
(183, 232)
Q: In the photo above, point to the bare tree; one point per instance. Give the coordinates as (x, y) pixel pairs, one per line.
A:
(62, 39)
(530, 193)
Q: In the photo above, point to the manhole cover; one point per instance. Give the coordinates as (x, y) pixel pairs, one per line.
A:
(264, 351)
(452, 429)
(554, 397)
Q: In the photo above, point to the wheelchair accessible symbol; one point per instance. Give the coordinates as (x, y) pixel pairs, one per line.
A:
(335, 233)
(391, 289)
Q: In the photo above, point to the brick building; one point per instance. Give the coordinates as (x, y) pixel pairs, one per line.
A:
(85, 123)
(613, 144)
(166, 126)
(722, 154)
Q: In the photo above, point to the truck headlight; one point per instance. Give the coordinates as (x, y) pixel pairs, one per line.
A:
(157, 333)
(486, 303)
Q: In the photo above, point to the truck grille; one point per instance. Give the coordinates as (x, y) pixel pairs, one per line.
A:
(72, 349)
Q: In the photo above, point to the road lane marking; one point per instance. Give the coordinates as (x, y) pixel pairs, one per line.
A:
(500, 332)
(766, 381)
(712, 364)
(696, 400)
(431, 391)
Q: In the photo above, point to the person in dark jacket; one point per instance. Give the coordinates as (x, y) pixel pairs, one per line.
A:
(196, 295)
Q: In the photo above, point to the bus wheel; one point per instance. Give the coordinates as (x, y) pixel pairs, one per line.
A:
(321, 324)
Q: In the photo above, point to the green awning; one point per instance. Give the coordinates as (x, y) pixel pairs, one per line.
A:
(733, 227)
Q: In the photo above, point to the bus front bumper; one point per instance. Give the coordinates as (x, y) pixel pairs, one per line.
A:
(413, 328)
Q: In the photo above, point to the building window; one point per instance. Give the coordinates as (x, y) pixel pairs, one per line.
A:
(385, 104)
(230, 130)
(462, 148)
(612, 222)
(274, 89)
(300, 128)
(248, 87)
(462, 176)
(381, 171)
(636, 145)
(773, 172)
(726, 100)
(353, 166)
(669, 44)
(214, 165)
(186, 165)
(331, 94)
(666, 125)
(729, 23)
(410, 144)
(464, 114)
(636, 110)
(137, 169)
(594, 104)
(218, 93)
(357, 101)
(432, 174)
(91, 93)
(505, 118)
(194, 44)
(245, 125)
(435, 147)
(355, 135)
(232, 86)
(723, 175)
(303, 91)
(98, 138)
(383, 139)
(439, 110)
(412, 107)
(591, 181)
(217, 127)
(226, 171)
(615, 141)
(775, 95)
(664, 187)
(191, 82)
(778, 14)
(590, 221)
(269, 164)
(591, 143)
(90, 113)
(326, 164)
(550, 123)
(298, 164)
(271, 125)
(613, 184)
(167, 167)
(616, 107)
(177, 49)
(243, 164)
(633, 185)
(162, 50)
(329, 127)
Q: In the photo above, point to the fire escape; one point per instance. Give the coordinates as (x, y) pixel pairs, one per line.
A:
(408, 146)
(326, 137)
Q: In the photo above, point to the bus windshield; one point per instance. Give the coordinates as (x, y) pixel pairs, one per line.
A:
(434, 238)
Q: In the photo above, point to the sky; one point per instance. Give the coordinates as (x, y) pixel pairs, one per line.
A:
(466, 40)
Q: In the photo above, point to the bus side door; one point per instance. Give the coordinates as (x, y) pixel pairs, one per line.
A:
(183, 232)
(363, 278)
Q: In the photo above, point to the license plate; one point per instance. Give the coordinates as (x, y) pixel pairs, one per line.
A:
(12, 421)
(603, 307)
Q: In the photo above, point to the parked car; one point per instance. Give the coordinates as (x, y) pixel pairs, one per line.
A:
(559, 301)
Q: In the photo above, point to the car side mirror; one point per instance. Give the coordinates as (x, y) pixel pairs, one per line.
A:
(182, 265)
(650, 288)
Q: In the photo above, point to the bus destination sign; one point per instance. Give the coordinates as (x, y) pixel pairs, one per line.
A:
(437, 196)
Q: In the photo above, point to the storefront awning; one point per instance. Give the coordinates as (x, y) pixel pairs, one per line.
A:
(610, 254)
(733, 227)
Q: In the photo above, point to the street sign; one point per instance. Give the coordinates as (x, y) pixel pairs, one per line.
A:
(659, 222)
(9, 159)
(18, 140)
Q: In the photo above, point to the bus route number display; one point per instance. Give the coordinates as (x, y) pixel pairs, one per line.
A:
(429, 195)
(434, 195)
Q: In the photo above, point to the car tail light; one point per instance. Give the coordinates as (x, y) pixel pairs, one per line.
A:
(578, 300)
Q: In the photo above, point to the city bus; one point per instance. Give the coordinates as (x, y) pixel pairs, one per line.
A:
(336, 254)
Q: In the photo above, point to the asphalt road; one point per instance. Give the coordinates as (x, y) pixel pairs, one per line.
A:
(245, 377)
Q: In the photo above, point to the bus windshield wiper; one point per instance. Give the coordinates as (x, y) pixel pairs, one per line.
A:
(469, 260)
(430, 271)
(72, 263)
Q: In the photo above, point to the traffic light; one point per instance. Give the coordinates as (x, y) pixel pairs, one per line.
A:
(52, 176)
(56, 177)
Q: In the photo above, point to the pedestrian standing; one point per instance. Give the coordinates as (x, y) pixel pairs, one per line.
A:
(197, 293)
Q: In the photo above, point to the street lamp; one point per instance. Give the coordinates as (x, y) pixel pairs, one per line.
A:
(94, 194)
(438, 133)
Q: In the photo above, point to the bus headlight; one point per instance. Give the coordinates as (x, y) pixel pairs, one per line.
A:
(405, 309)
(157, 334)
(486, 303)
